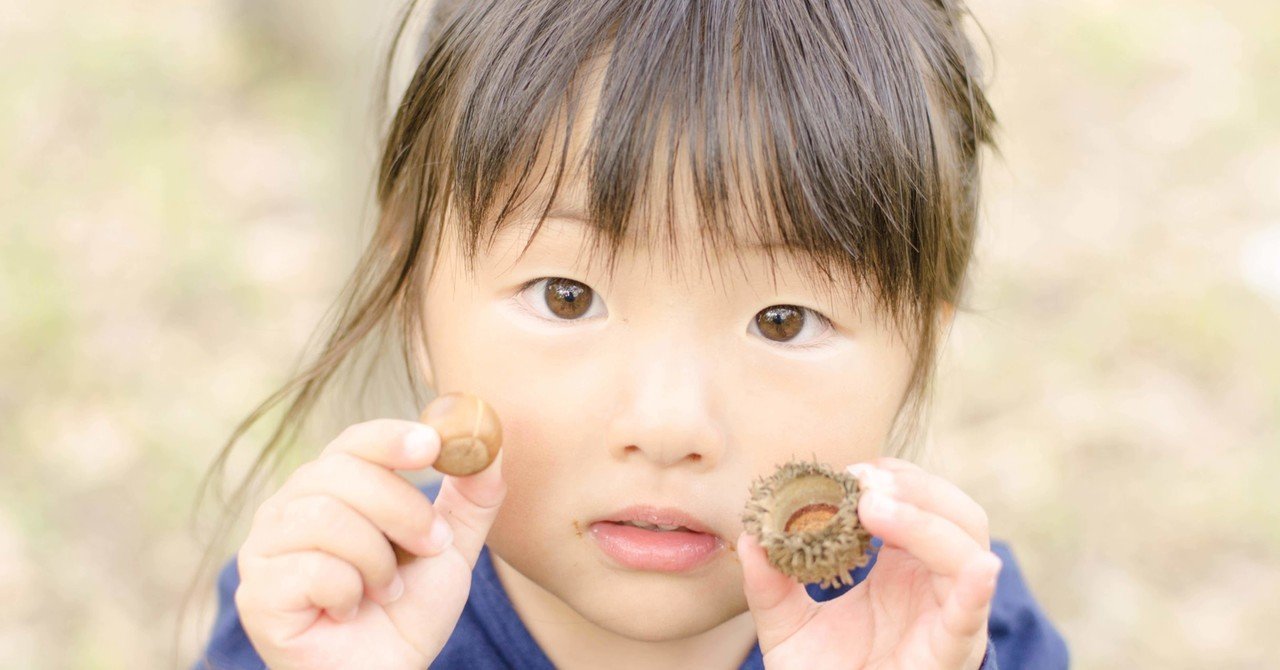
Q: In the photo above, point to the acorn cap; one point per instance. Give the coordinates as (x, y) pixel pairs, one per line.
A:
(805, 516)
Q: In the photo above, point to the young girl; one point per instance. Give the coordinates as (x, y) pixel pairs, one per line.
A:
(784, 196)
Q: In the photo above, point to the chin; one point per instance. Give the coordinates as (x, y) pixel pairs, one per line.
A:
(644, 607)
(653, 606)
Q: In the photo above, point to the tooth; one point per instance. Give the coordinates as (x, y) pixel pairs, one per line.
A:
(651, 526)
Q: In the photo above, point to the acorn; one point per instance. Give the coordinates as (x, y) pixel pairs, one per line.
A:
(470, 437)
(470, 433)
(805, 516)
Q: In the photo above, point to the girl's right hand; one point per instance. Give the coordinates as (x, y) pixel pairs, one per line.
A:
(319, 583)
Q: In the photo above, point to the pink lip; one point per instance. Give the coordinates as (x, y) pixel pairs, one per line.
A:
(661, 551)
(662, 516)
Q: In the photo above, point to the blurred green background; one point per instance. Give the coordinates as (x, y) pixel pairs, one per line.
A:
(184, 188)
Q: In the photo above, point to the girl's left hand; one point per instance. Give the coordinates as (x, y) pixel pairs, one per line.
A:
(923, 606)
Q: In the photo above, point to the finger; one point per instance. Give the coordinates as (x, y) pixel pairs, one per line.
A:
(779, 605)
(965, 610)
(281, 594)
(325, 523)
(390, 443)
(397, 508)
(934, 540)
(910, 483)
(470, 504)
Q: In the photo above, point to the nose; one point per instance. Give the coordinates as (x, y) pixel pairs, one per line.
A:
(668, 416)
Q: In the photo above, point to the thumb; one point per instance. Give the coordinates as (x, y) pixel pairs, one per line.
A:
(470, 504)
(780, 605)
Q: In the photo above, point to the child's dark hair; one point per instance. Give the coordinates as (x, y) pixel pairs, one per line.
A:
(846, 130)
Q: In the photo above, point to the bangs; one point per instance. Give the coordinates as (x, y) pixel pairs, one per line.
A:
(841, 133)
(806, 128)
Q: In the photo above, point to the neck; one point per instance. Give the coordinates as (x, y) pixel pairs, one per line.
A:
(573, 642)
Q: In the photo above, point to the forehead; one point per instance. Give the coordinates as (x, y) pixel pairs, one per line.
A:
(704, 193)
(673, 209)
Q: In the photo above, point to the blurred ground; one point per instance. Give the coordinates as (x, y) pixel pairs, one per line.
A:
(181, 186)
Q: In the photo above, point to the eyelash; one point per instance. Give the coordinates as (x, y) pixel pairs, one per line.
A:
(821, 343)
(531, 312)
(816, 343)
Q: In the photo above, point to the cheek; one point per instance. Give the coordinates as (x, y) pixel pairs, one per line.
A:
(535, 530)
(839, 413)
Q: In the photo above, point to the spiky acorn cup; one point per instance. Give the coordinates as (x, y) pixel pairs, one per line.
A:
(805, 516)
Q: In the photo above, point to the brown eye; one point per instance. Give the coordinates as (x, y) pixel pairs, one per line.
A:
(567, 298)
(780, 323)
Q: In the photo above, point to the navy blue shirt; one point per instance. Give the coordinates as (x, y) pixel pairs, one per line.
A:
(490, 635)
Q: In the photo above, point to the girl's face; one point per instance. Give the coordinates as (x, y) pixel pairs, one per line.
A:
(674, 383)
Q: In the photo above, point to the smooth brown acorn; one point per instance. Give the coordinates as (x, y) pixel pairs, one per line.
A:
(470, 433)
(470, 437)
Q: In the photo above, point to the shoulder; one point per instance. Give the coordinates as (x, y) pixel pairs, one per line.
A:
(1021, 633)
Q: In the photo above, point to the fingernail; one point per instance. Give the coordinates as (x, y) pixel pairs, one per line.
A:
(873, 478)
(441, 536)
(859, 470)
(395, 589)
(418, 442)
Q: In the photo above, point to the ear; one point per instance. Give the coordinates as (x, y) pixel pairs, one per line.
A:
(946, 315)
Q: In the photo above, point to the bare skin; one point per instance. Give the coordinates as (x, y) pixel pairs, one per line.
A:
(319, 583)
(663, 391)
(670, 407)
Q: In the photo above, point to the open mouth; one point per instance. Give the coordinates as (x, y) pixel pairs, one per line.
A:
(652, 526)
(639, 545)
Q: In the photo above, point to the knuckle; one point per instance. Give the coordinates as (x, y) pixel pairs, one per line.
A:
(320, 509)
(347, 435)
(338, 578)
(314, 568)
(336, 463)
(299, 576)
(243, 569)
(241, 598)
(500, 494)
(309, 512)
(381, 572)
(983, 522)
(363, 431)
(383, 426)
(321, 472)
(421, 518)
(267, 513)
(905, 480)
(925, 523)
(307, 471)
